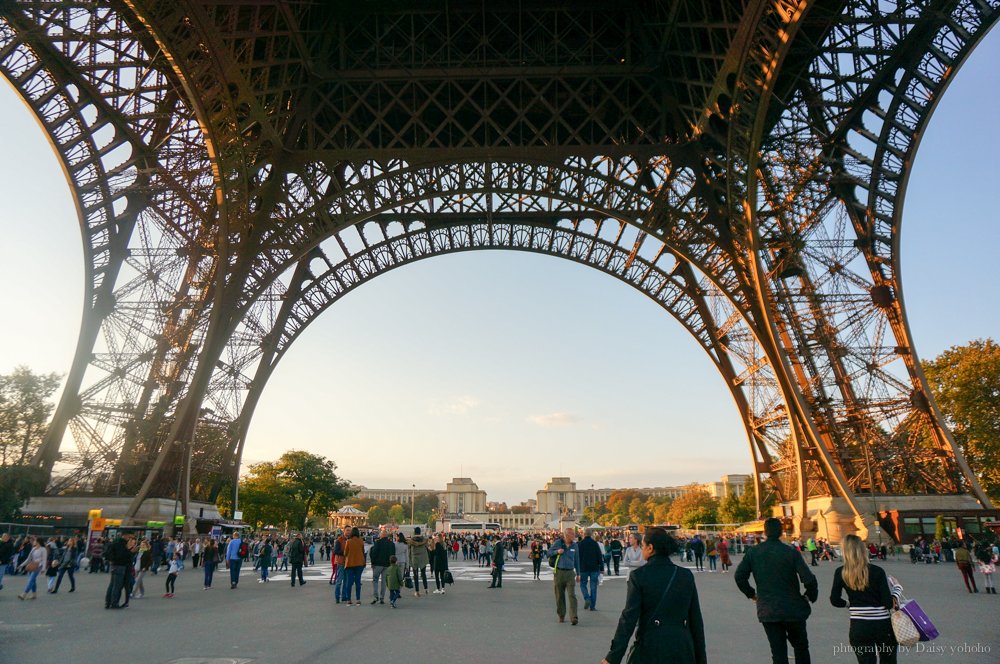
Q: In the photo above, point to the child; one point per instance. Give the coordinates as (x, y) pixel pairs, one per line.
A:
(50, 575)
(172, 572)
(987, 566)
(394, 580)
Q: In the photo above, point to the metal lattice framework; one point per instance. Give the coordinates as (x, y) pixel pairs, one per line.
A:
(238, 166)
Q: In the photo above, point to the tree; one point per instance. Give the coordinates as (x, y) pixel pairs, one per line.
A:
(639, 512)
(297, 486)
(694, 507)
(24, 413)
(965, 381)
(17, 484)
(377, 516)
(397, 514)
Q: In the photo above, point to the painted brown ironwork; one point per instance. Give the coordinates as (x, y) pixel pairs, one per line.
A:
(238, 166)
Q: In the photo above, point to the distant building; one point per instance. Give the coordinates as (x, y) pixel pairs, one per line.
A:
(400, 496)
(462, 496)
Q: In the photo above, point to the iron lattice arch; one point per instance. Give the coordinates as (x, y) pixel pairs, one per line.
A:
(239, 166)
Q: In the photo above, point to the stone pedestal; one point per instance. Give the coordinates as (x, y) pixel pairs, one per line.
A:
(832, 518)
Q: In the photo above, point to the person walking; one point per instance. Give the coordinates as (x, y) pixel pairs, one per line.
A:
(296, 553)
(143, 563)
(402, 553)
(781, 606)
(34, 564)
(591, 563)
(340, 575)
(418, 560)
(698, 548)
(987, 561)
(662, 608)
(382, 550)
(67, 565)
(566, 553)
(813, 550)
(354, 565)
(264, 559)
(497, 565)
(394, 580)
(871, 594)
(723, 550)
(234, 559)
(439, 564)
(633, 554)
(964, 561)
(535, 555)
(617, 548)
(711, 552)
(209, 560)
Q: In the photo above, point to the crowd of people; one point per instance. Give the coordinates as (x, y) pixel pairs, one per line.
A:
(662, 609)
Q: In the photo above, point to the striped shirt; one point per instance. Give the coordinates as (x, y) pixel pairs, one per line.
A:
(871, 603)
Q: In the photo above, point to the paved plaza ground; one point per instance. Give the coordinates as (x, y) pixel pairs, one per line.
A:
(275, 623)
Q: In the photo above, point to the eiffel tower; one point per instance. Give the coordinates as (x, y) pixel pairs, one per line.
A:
(238, 166)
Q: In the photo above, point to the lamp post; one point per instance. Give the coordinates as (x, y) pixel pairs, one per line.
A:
(413, 502)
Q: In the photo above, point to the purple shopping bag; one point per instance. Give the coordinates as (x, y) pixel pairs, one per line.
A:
(928, 632)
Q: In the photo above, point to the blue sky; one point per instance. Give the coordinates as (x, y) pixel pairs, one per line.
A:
(512, 368)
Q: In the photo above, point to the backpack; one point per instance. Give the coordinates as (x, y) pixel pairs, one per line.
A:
(554, 558)
(244, 550)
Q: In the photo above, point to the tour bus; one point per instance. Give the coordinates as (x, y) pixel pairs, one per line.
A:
(470, 527)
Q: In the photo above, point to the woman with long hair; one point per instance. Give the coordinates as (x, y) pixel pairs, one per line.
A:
(354, 565)
(871, 594)
(439, 564)
(209, 561)
(67, 565)
(661, 607)
(34, 563)
(143, 563)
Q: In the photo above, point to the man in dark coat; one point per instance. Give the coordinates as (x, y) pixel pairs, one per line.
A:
(118, 557)
(591, 562)
(297, 556)
(379, 555)
(781, 606)
(498, 554)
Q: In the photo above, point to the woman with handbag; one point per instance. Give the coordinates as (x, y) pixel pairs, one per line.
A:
(36, 562)
(871, 596)
(662, 600)
(67, 565)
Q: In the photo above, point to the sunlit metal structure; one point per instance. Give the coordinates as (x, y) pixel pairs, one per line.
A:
(238, 166)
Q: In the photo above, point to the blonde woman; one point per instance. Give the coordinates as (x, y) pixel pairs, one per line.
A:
(36, 563)
(870, 594)
(142, 564)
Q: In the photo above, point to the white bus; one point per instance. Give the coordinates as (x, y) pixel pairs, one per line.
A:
(469, 527)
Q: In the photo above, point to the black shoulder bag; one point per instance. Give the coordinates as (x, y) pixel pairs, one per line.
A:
(632, 658)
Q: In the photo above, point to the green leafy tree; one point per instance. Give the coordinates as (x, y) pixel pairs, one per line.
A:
(17, 484)
(965, 381)
(377, 515)
(694, 507)
(397, 514)
(297, 486)
(639, 512)
(25, 408)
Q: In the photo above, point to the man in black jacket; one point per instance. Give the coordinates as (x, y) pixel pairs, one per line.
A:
(616, 547)
(379, 555)
(591, 561)
(119, 558)
(781, 606)
(297, 556)
(498, 555)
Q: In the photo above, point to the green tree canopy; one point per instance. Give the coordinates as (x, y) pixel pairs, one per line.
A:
(297, 486)
(397, 514)
(25, 408)
(377, 515)
(965, 381)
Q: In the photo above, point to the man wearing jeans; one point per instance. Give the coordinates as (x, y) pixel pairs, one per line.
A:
(781, 605)
(233, 559)
(566, 575)
(379, 555)
(591, 561)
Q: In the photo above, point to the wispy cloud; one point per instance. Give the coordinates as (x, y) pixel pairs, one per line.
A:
(456, 406)
(555, 420)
